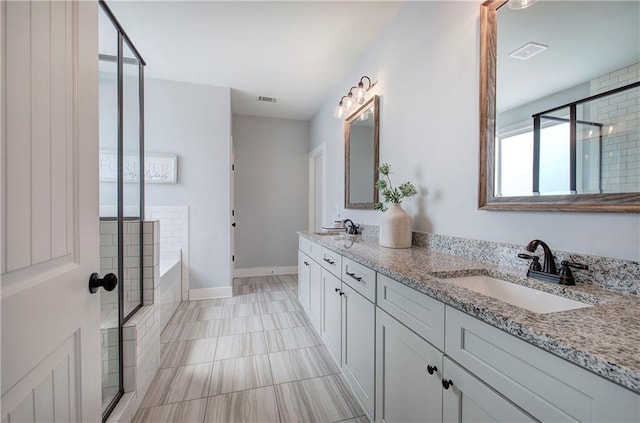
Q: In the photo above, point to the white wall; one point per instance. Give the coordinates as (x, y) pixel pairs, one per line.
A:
(194, 122)
(271, 189)
(426, 63)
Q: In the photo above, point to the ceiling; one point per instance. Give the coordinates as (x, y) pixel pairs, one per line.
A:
(586, 39)
(295, 51)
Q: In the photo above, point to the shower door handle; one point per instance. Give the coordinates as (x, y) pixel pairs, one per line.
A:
(109, 282)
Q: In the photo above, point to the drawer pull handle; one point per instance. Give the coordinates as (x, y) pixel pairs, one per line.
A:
(341, 293)
(353, 275)
(431, 369)
(446, 383)
(329, 261)
(306, 263)
(337, 289)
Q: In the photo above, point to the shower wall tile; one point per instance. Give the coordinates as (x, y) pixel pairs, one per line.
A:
(151, 261)
(141, 355)
(173, 235)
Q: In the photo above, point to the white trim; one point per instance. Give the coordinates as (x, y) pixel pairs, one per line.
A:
(319, 151)
(265, 271)
(208, 293)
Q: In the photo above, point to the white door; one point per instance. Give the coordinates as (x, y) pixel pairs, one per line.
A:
(50, 322)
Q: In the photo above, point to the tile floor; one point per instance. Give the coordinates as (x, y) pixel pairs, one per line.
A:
(250, 358)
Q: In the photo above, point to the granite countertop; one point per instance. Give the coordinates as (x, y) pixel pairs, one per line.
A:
(604, 338)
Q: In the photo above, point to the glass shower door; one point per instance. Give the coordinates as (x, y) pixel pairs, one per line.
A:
(132, 193)
(109, 239)
(121, 170)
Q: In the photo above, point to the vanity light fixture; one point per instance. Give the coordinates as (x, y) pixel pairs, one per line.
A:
(354, 98)
(520, 4)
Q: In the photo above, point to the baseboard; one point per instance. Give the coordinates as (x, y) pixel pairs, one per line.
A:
(208, 293)
(264, 271)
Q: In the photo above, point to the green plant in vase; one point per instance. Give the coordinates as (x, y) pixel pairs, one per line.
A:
(390, 193)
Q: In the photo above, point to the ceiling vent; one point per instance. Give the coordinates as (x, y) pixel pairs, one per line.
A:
(528, 50)
(267, 99)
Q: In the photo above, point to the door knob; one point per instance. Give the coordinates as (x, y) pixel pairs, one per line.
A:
(109, 282)
(233, 224)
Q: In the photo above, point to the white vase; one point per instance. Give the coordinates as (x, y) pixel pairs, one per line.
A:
(395, 227)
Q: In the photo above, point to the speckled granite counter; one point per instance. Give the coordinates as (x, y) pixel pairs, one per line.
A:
(604, 339)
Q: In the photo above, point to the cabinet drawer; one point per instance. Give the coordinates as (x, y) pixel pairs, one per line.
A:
(360, 278)
(331, 261)
(310, 248)
(417, 311)
(544, 385)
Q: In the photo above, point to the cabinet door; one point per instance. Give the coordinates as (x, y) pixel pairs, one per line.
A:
(358, 346)
(544, 385)
(332, 314)
(467, 399)
(304, 277)
(405, 390)
(315, 295)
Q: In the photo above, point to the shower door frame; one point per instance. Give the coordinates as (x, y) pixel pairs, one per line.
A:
(121, 60)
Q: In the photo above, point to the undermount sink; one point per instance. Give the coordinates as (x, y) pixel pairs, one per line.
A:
(517, 295)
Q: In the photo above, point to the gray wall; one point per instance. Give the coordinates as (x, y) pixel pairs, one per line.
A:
(194, 122)
(271, 189)
(426, 63)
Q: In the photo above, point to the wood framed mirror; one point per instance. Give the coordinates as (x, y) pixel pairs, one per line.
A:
(584, 92)
(361, 138)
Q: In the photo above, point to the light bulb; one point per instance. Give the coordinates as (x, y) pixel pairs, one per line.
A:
(360, 93)
(520, 4)
(339, 112)
(349, 103)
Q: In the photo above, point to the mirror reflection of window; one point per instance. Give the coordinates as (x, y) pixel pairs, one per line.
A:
(591, 50)
(514, 162)
(514, 166)
(554, 160)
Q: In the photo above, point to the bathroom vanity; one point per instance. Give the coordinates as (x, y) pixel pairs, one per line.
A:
(416, 347)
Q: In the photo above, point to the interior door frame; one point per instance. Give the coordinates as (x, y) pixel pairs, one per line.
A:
(319, 151)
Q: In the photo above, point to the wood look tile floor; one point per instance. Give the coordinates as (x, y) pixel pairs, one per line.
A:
(250, 358)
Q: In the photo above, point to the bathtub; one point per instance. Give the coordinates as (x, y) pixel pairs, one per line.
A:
(170, 286)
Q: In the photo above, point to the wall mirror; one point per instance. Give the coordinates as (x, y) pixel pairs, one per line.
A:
(559, 106)
(361, 137)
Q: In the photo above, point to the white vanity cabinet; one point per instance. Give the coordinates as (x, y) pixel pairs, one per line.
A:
(410, 358)
(358, 344)
(542, 384)
(468, 400)
(408, 374)
(315, 295)
(310, 288)
(304, 280)
(331, 327)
